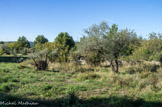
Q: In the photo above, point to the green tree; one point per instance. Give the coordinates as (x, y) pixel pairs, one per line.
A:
(64, 43)
(40, 39)
(108, 42)
(13, 47)
(1, 42)
(22, 42)
(150, 49)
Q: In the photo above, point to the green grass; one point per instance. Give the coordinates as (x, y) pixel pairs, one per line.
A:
(97, 87)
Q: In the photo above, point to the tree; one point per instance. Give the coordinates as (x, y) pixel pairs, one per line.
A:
(22, 42)
(150, 49)
(64, 43)
(108, 42)
(1, 42)
(13, 46)
(40, 39)
(4, 49)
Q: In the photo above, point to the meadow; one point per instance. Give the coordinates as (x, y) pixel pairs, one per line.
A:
(81, 85)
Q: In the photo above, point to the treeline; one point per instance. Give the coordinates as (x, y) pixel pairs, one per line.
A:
(99, 43)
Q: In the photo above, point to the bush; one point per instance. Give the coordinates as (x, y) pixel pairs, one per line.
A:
(40, 60)
(41, 65)
(93, 58)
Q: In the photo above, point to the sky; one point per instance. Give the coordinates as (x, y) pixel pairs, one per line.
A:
(30, 18)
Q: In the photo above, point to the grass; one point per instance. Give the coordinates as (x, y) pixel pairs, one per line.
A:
(80, 86)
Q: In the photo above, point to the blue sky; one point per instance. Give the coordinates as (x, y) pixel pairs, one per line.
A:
(50, 17)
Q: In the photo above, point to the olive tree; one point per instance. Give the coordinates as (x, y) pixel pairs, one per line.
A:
(107, 41)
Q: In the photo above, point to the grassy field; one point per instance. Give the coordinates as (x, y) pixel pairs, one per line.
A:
(80, 86)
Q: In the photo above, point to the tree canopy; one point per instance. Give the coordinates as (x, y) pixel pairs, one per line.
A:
(64, 43)
(40, 39)
(107, 41)
(22, 42)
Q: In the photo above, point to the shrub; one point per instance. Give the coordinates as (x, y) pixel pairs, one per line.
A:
(93, 58)
(40, 60)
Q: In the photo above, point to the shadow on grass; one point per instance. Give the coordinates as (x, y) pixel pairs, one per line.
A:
(72, 100)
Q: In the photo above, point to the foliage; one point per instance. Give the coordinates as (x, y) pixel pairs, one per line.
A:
(24, 51)
(40, 39)
(40, 60)
(64, 44)
(93, 58)
(1, 51)
(1, 42)
(13, 47)
(150, 49)
(5, 48)
(22, 42)
(107, 42)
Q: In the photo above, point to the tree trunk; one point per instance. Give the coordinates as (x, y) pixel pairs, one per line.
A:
(112, 66)
(117, 65)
